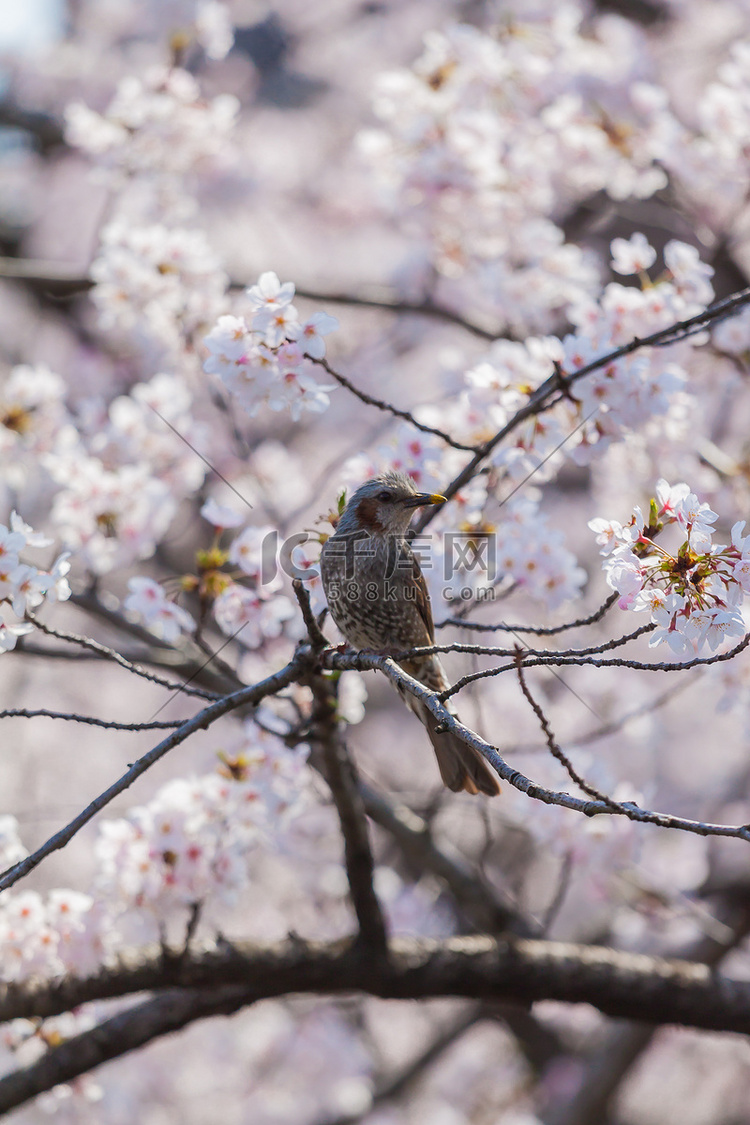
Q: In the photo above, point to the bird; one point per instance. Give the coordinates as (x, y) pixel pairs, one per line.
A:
(378, 598)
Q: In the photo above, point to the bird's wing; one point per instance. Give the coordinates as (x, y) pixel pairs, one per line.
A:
(422, 599)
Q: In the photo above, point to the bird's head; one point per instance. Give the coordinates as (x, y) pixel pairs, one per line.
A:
(385, 505)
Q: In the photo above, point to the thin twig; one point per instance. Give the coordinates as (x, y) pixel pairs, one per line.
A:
(318, 640)
(537, 631)
(570, 660)
(406, 1076)
(563, 885)
(554, 748)
(490, 650)
(547, 394)
(62, 282)
(475, 899)
(381, 404)
(246, 696)
(111, 654)
(448, 721)
(194, 669)
(74, 717)
(397, 305)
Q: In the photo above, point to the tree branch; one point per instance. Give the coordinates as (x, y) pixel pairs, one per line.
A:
(74, 717)
(448, 721)
(341, 775)
(537, 631)
(213, 981)
(381, 404)
(107, 653)
(116, 1037)
(246, 696)
(62, 282)
(555, 749)
(547, 394)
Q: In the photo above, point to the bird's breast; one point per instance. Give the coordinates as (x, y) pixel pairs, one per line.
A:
(372, 594)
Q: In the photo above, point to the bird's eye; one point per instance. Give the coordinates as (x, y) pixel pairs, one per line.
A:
(384, 495)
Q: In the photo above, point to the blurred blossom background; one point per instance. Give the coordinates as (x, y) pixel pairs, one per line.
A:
(200, 203)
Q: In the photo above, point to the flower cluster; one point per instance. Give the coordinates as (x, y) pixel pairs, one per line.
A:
(46, 936)
(520, 549)
(156, 130)
(490, 137)
(244, 599)
(248, 603)
(31, 411)
(156, 286)
(622, 397)
(122, 475)
(250, 615)
(267, 361)
(149, 602)
(24, 587)
(534, 556)
(693, 591)
(193, 842)
(710, 164)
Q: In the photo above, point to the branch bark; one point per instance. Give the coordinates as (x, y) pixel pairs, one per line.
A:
(341, 774)
(433, 701)
(514, 970)
(220, 980)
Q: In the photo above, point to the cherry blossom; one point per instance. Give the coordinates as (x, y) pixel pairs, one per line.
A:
(220, 515)
(148, 601)
(693, 592)
(261, 362)
(194, 841)
(157, 125)
(633, 255)
(251, 617)
(505, 158)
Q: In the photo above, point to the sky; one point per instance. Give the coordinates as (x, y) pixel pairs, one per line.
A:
(26, 25)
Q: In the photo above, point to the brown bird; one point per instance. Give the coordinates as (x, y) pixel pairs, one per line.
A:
(378, 597)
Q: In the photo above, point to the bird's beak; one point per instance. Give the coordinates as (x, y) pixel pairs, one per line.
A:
(422, 499)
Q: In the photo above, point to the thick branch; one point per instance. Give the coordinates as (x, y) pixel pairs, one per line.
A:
(116, 1037)
(201, 983)
(516, 970)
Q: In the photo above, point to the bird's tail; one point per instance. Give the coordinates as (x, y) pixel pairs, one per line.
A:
(461, 766)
